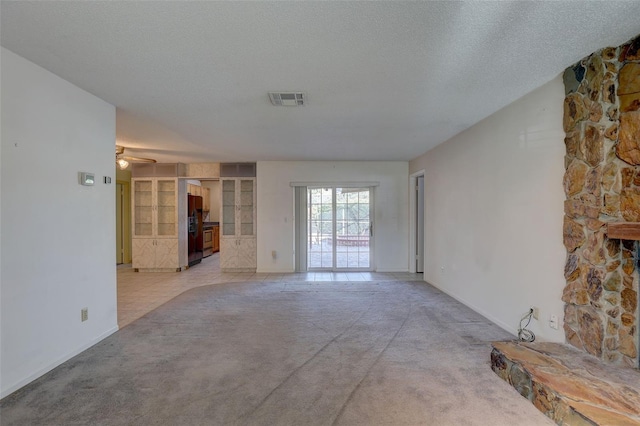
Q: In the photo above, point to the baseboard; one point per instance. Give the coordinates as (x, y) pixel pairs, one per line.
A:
(392, 270)
(487, 315)
(11, 389)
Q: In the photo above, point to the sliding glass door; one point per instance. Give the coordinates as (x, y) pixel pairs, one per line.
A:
(339, 228)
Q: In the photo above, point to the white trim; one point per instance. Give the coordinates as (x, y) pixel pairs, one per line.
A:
(335, 184)
(11, 389)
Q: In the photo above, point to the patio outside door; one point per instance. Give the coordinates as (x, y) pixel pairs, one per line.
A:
(339, 229)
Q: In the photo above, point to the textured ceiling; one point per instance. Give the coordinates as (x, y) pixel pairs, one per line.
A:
(385, 80)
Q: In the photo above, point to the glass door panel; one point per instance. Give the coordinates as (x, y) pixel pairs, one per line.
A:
(246, 207)
(228, 207)
(143, 207)
(320, 229)
(167, 223)
(352, 228)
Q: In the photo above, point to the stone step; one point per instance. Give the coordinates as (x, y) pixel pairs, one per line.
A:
(567, 385)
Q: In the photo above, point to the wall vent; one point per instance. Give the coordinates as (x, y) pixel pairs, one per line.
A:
(288, 98)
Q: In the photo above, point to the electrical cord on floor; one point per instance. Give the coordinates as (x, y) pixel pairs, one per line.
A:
(524, 334)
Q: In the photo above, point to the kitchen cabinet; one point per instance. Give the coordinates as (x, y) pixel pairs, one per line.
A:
(194, 190)
(159, 223)
(203, 192)
(238, 225)
(215, 247)
(211, 240)
(207, 241)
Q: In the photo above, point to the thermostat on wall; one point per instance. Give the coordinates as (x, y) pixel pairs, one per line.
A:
(87, 179)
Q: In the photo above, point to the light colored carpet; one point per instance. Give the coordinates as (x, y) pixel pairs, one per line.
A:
(305, 353)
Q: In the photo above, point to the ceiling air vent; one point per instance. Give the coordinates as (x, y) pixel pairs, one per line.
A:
(287, 98)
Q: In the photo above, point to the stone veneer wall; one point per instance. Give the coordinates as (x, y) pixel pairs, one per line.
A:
(602, 184)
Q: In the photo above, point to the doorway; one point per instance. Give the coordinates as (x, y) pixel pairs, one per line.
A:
(339, 228)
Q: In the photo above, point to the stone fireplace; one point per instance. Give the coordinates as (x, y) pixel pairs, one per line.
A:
(602, 187)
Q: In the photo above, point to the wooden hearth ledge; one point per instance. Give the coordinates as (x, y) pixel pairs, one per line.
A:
(568, 385)
(624, 230)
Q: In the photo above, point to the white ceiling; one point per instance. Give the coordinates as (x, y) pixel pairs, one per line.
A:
(384, 80)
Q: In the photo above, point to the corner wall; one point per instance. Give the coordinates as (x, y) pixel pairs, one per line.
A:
(58, 237)
(493, 222)
(275, 205)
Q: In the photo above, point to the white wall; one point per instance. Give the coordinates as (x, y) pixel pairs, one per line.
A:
(275, 202)
(214, 199)
(57, 236)
(494, 209)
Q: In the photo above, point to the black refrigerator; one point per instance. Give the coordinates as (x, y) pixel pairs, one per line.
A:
(194, 213)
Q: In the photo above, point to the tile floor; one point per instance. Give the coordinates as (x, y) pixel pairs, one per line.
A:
(142, 292)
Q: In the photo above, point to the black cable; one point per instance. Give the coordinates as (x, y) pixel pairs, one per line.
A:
(524, 334)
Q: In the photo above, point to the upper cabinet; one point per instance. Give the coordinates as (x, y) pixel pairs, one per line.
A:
(238, 207)
(155, 207)
(201, 191)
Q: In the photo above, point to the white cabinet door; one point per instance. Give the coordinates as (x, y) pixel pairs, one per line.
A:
(246, 257)
(167, 253)
(228, 253)
(143, 253)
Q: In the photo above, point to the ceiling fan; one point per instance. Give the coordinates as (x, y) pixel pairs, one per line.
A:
(124, 160)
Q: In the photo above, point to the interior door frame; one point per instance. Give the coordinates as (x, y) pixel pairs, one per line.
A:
(413, 252)
(125, 219)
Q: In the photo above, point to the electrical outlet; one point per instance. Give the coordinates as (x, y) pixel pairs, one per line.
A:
(553, 322)
(84, 314)
(536, 312)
